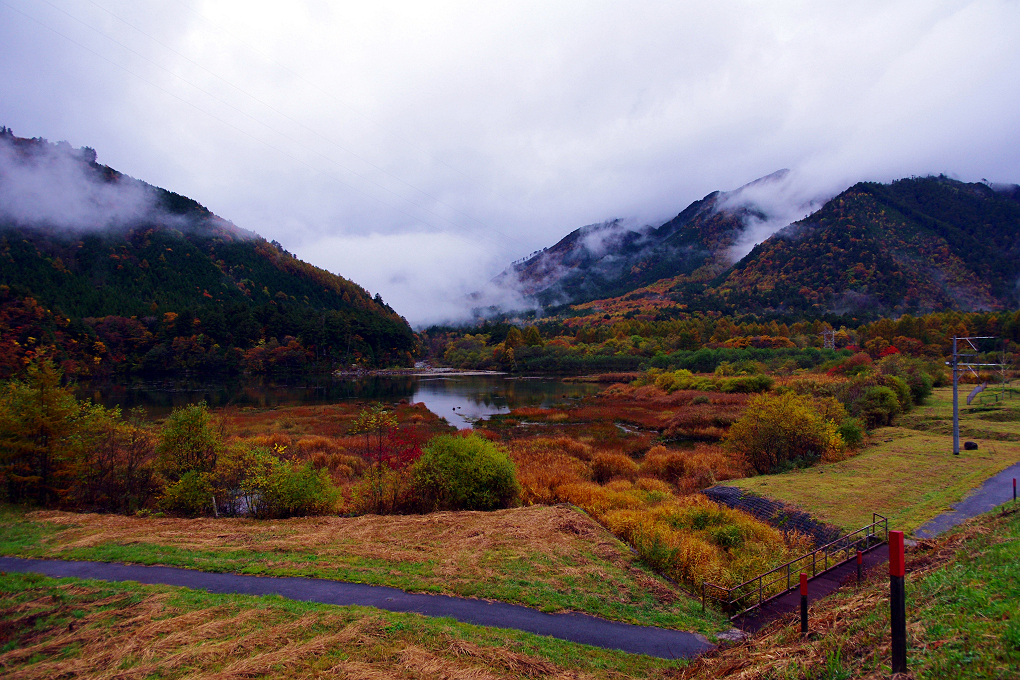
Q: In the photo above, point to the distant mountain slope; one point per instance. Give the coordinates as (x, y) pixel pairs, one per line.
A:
(915, 245)
(918, 244)
(609, 259)
(90, 242)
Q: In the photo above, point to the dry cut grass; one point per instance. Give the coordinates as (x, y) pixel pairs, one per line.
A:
(70, 628)
(553, 558)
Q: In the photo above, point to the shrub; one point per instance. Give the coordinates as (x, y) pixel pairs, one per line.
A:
(902, 390)
(878, 406)
(851, 432)
(293, 490)
(781, 429)
(187, 443)
(191, 495)
(464, 473)
(746, 384)
(310, 445)
(542, 468)
(114, 468)
(920, 386)
(252, 480)
(607, 466)
(670, 466)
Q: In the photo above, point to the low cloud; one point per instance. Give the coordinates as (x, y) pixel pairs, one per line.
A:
(54, 185)
(773, 202)
(428, 278)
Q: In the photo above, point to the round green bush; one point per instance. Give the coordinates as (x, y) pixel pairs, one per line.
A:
(189, 496)
(878, 406)
(464, 473)
(293, 490)
(851, 432)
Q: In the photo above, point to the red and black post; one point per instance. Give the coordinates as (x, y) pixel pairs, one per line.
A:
(803, 603)
(898, 602)
(860, 566)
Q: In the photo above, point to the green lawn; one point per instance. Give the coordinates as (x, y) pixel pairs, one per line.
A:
(907, 473)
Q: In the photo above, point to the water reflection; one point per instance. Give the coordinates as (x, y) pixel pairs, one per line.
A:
(464, 399)
(459, 399)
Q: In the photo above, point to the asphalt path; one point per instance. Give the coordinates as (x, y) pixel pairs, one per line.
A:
(582, 628)
(994, 492)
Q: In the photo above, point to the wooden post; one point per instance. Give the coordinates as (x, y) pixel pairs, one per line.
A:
(803, 604)
(897, 602)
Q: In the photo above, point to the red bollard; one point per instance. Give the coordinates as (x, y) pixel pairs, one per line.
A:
(803, 603)
(897, 602)
(1014, 489)
(860, 565)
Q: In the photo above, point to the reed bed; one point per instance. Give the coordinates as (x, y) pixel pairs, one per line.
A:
(650, 504)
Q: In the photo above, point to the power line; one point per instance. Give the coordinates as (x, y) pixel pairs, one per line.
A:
(230, 125)
(348, 106)
(303, 126)
(270, 127)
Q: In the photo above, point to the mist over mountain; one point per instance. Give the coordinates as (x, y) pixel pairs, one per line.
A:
(914, 245)
(192, 290)
(614, 257)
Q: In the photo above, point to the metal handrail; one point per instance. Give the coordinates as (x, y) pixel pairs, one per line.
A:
(743, 595)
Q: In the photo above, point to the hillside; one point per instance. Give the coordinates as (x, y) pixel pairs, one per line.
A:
(161, 267)
(916, 245)
(609, 259)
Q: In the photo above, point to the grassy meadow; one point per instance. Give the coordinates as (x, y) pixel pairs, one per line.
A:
(908, 472)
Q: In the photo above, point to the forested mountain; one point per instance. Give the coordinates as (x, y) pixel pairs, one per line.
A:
(916, 245)
(609, 259)
(163, 284)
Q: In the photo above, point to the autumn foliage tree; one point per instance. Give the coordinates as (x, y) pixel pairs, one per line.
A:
(391, 451)
(779, 429)
(37, 435)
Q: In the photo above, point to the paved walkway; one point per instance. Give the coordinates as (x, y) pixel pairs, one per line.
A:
(995, 491)
(818, 587)
(582, 628)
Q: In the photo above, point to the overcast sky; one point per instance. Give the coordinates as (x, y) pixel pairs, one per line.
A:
(417, 148)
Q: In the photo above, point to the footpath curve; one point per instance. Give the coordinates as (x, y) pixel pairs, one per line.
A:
(582, 628)
(995, 491)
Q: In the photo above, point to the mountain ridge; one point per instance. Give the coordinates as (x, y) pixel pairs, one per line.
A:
(914, 245)
(123, 248)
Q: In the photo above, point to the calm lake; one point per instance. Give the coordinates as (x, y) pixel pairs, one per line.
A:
(459, 398)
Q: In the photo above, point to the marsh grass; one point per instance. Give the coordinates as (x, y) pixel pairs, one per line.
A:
(73, 628)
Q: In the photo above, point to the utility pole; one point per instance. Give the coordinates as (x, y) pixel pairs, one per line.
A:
(956, 364)
(956, 400)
